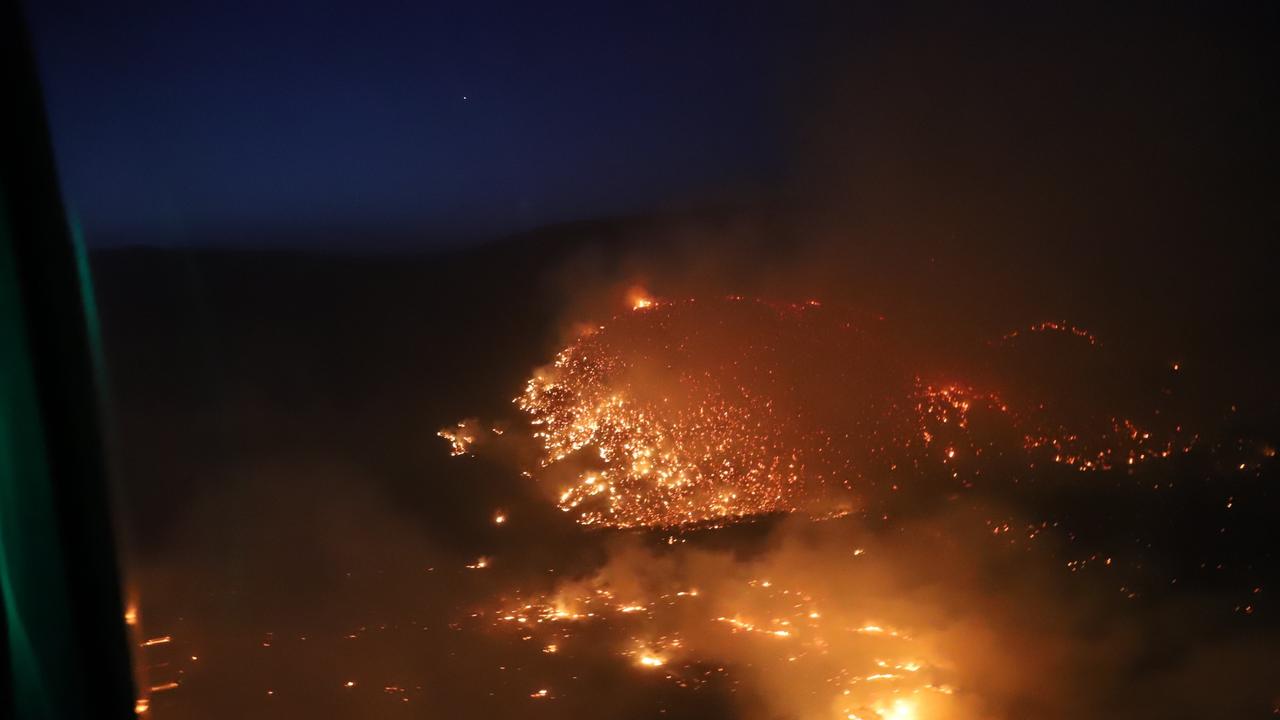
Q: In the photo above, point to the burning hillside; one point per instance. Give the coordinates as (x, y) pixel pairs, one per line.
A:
(696, 411)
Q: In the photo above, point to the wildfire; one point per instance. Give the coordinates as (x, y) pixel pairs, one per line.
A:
(460, 438)
(706, 440)
(704, 411)
(874, 672)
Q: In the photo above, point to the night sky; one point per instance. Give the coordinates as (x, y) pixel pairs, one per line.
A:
(328, 123)
(464, 118)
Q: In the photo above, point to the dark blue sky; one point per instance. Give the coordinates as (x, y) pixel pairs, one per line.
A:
(172, 119)
(340, 123)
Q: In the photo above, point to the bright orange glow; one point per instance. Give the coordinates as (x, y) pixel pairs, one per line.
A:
(639, 299)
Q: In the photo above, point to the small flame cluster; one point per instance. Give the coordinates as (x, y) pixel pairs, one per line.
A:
(170, 666)
(1052, 326)
(460, 438)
